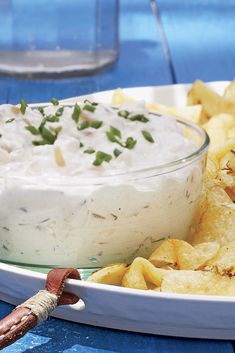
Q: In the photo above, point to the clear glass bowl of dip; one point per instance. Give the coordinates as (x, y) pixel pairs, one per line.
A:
(90, 222)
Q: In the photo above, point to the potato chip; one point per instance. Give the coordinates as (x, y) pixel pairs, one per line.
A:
(181, 255)
(212, 167)
(191, 258)
(111, 274)
(119, 98)
(224, 261)
(213, 103)
(227, 173)
(164, 255)
(142, 275)
(218, 129)
(229, 92)
(197, 282)
(193, 113)
(217, 223)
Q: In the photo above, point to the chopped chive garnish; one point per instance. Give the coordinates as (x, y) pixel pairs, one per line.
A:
(117, 152)
(139, 117)
(59, 111)
(147, 136)
(23, 106)
(124, 113)
(43, 123)
(48, 136)
(81, 144)
(76, 113)
(89, 107)
(41, 110)
(57, 130)
(96, 124)
(32, 129)
(89, 151)
(114, 135)
(136, 117)
(40, 143)
(102, 157)
(54, 101)
(52, 119)
(91, 103)
(130, 143)
(115, 131)
(113, 138)
(9, 120)
(84, 125)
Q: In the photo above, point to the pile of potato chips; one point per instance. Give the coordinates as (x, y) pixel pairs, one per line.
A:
(205, 264)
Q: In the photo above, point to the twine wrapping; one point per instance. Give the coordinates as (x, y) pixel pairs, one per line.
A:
(41, 304)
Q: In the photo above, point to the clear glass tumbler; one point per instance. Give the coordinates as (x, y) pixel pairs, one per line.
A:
(57, 38)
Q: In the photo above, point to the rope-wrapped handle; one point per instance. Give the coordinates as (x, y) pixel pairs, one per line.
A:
(37, 308)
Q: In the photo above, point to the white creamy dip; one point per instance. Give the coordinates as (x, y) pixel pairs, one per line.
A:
(63, 200)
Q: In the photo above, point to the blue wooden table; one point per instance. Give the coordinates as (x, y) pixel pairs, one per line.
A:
(200, 36)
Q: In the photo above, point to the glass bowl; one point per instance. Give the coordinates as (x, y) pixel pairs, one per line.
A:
(88, 223)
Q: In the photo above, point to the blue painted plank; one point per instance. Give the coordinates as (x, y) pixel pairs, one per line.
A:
(200, 35)
(141, 62)
(3, 93)
(55, 336)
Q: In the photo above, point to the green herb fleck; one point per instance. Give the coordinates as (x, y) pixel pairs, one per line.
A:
(59, 111)
(23, 106)
(91, 103)
(81, 144)
(52, 119)
(84, 125)
(40, 143)
(114, 135)
(101, 157)
(96, 124)
(54, 101)
(57, 130)
(139, 117)
(89, 107)
(76, 113)
(124, 113)
(130, 143)
(117, 152)
(9, 120)
(147, 136)
(48, 136)
(41, 110)
(32, 129)
(136, 117)
(115, 131)
(43, 123)
(89, 151)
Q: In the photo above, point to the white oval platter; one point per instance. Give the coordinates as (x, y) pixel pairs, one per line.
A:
(196, 316)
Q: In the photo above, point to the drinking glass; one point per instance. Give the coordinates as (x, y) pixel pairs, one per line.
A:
(57, 38)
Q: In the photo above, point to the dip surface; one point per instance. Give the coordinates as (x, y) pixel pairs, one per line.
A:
(143, 140)
(51, 218)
